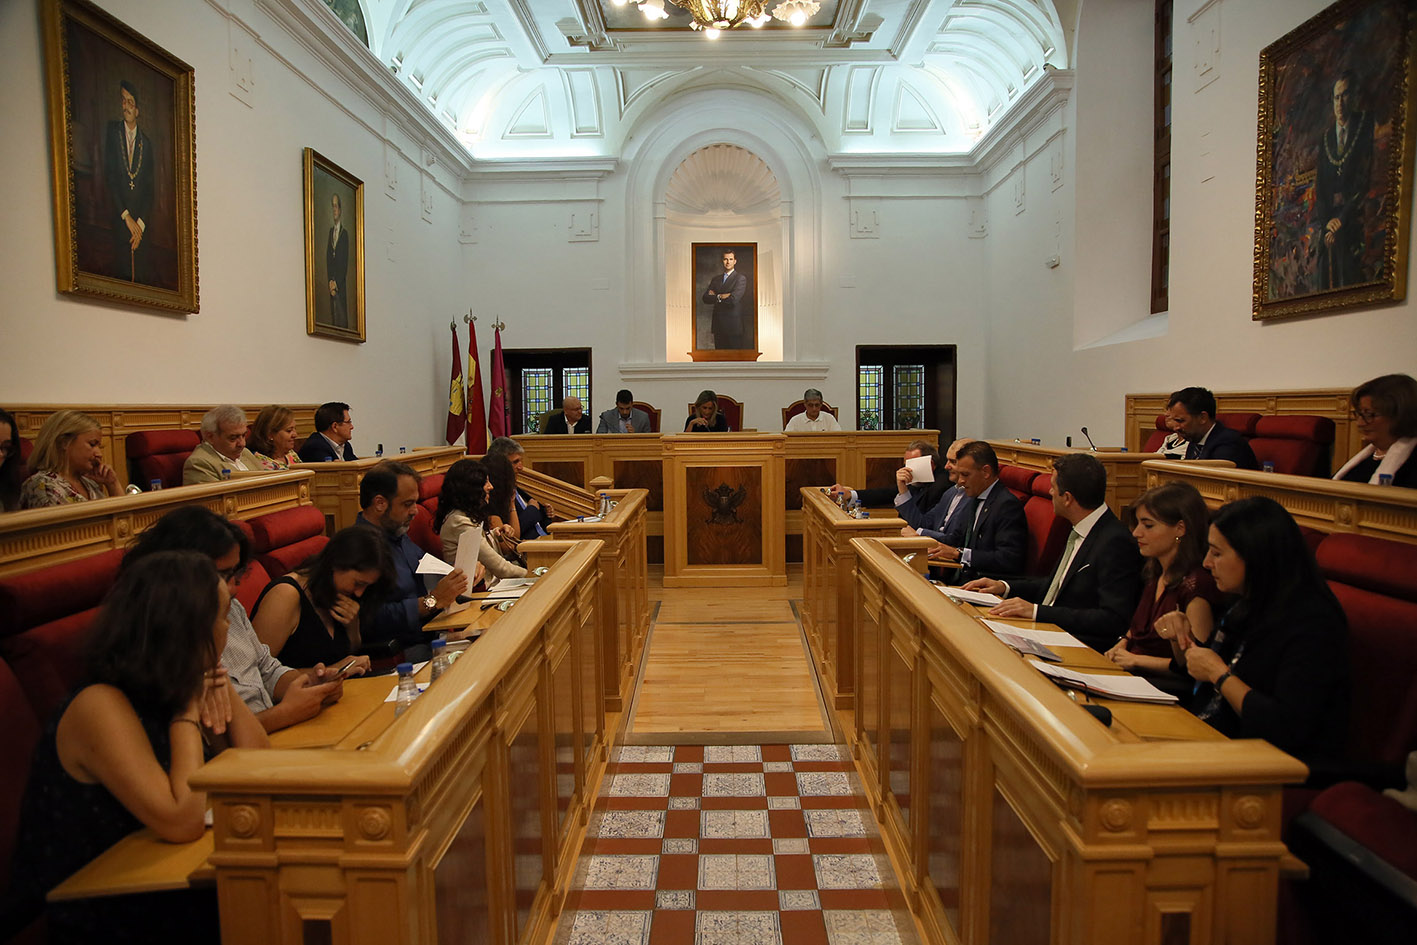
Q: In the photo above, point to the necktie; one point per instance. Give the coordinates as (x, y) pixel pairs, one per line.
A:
(970, 508)
(1052, 594)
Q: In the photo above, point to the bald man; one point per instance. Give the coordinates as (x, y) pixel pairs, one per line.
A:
(571, 419)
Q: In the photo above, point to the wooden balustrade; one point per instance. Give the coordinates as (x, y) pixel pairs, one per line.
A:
(1014, 816)
(1322, 504)
(117, 421)
(335, 489)
(38, 538)
(567, 500)
(623, 607)
(460, 821)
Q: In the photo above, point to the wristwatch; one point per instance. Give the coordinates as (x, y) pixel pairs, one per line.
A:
(430, 602)
(1220, 681)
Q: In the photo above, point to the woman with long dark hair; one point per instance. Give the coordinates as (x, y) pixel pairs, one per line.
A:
(118, 754)
(314, 614)
(502, 520)
(1171, 536)
(1276, 666)
(462, 507)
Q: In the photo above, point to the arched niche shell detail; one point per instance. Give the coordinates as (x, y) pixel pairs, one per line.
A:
(1115, 814)
(245, 820)
(1249, 811)
(374, 823)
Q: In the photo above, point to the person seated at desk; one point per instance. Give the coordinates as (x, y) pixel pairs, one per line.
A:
(314, 615)
(276, 694)
(812, 419)
(1093, 591)
(117, 755)
(935, 521)
(223, 448)
(529, 516)
(571, 419)
(272, 438)
(462, 507)
(67, 463)
(624, 417)
(330, 441)
(1171, 536)
(922, 496)
(1174, 445)
(1385, 410)
(1276, 666)
(10, 462)
(1192, 411)
(706, 417)
(990, 533)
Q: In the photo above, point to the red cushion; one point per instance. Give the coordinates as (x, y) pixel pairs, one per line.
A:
(251, 584)
(1153, 442)
(430, 487)
(18, 737)
(1018, 480)
(422, 533)
(286, 558)
(1243, 423)
(1047, 533)
(1298, 445)
(1379, 823)
(1316, 429)
(37, 597)
(159, 454)
(1041, 485)
(286, 527)
(1376, 564)
(49, 659)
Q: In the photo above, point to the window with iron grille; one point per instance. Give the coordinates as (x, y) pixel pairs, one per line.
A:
(537, 394)
(540, 379)
(870, 380)
(908, 385)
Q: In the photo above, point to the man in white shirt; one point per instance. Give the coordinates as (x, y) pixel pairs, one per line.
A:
(814, 419)
(223, 448)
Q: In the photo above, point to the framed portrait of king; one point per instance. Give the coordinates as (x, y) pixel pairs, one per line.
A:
(334, 250)
(1333, 189)
(725, 303)
(123, 154)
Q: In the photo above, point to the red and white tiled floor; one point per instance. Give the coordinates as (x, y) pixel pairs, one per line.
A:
(733, 845)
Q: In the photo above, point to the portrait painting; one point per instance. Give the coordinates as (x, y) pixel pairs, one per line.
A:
(1334, 180)
(725, 303)
(334, 250)
(123, 154)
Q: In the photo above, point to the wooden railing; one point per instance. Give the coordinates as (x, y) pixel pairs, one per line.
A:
(829, 587)
(1332, 402)
(623, 608)
(1322, 504)
(567, 500)
(336, 487)
(459, 822)
(1013, 816)
(41, 537)
(117, 421)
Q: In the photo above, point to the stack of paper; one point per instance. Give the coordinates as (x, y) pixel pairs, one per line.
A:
(1121, 686)
(969, 597)
(1045, 637)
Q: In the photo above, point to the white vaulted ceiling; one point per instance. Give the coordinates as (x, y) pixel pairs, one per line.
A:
(552, 78)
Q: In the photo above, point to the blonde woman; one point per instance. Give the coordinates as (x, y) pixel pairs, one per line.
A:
(706, 417)
(68, 463)
(272, 437)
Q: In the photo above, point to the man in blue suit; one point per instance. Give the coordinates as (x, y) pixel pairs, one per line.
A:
(724, 293)
(1192, 412)
(989, 534)
(333, 429)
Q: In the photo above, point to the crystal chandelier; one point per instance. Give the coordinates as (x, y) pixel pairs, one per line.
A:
(714, 16)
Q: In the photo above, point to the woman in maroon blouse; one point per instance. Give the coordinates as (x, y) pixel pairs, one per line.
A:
(1171, 534)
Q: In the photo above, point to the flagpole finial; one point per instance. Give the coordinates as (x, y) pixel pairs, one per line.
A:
(469, 318)
(453, 325)
(499, 324)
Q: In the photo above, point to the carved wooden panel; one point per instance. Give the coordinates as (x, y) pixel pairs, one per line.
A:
(880, 471)
(647, 474)
(1021, 893)
(808, 472)
(572, 471)
(724, 517)
(944, 816)
(460, 883)
(528, 841)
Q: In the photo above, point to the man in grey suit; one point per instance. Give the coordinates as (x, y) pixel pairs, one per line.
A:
(624, 417)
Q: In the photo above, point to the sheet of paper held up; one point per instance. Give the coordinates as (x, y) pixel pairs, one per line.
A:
(1046, 637)
(970, 597)
(432, 564)
(920, 469)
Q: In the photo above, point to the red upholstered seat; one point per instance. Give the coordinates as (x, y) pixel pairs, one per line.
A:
(18, 737)
(1379, 823)
(37, 597)
(1158, 436)
(48, 659)
(422, 533)
(651, 411)
(800, 406)
(250, 585)
(1242, 423)
(159, 454)
(429, 488)
(1047, 533)
(284, 540)
(731, 409)
(1018, 480)
(1298, 446)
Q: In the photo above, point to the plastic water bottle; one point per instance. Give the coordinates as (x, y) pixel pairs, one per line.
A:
(225, 473)
(154, 485)
(379, 450)
(440, 659)
(408, 689)
(604, 504)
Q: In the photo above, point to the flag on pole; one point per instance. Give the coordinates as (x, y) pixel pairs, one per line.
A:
(457, 403)
(497, 406)
(476, 411)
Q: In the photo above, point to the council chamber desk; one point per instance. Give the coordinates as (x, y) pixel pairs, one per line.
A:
(1014, 816)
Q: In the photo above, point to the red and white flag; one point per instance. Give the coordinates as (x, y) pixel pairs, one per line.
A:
(457, 403)
(476, 412)
(497, 406)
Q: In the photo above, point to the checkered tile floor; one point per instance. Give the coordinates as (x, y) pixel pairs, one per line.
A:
(733, 845)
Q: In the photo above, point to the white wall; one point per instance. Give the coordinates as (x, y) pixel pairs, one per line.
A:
(248, 343)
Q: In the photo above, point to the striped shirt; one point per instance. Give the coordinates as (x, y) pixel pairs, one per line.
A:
(253, 670)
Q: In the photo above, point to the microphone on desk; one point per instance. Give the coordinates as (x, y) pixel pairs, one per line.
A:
(1089, 440)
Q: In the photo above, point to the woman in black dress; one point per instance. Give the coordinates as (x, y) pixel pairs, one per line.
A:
(706, 417)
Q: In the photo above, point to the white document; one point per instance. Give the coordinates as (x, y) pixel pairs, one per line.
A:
(506, 584)
(920, 469)
(432, 564)
(505, 593)
(1046, 637)
(469, 543)
(970, 597)
(1119, 686)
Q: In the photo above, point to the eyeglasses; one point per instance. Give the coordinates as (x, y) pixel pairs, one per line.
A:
(1365, 416)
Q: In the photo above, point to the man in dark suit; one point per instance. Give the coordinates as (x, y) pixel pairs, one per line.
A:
(1191, 411)
(333, 430)
(337, 265)
(128, 179)
(920, 497)
(571, 419)
(1341, 184)
(724, 293)
(989, 535)
(1095, 587)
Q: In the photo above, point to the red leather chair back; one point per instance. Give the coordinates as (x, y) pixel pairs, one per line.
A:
(1158, 436)
(159, 454)
(1299, 446)
(652, 411)
(731, 409)
(1047, 533)
(800, 406)
(284, 540)
(422, 533)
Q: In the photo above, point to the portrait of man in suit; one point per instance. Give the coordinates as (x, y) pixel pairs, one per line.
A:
(334, 250)
(128, 184)
(725, 297)
(337, 265)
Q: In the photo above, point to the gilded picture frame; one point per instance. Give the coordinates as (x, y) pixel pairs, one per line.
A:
(123, 153)
(725, 325)
(1333, 185)
(334, 250)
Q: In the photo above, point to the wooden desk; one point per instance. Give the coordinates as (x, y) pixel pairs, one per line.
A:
(1013, 816)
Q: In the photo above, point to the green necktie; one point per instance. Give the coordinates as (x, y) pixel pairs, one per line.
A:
(1052, 594)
